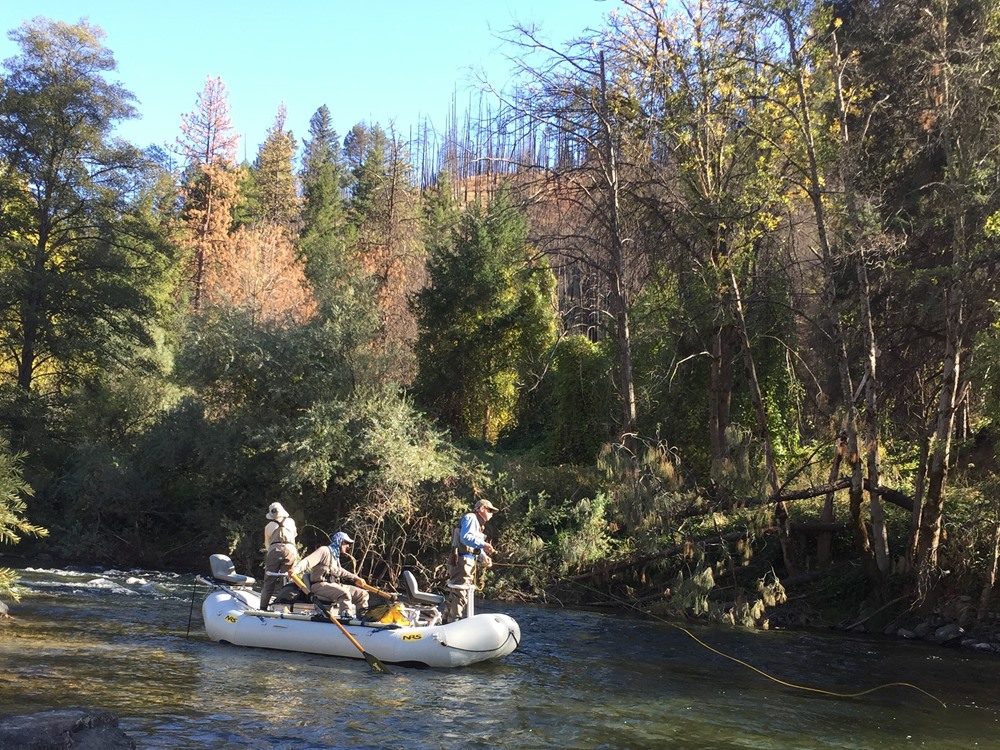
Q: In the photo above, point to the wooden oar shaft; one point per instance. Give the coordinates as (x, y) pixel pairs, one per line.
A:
(375, 590)
(372, 661)
(346, 632)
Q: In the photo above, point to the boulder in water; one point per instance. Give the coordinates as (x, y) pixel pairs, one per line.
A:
(61, 728)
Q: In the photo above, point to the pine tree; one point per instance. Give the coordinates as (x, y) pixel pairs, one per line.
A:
(324, 174)
(208, 144)
(324, 233)
(384, 212)
(441, 212)
(273, 187)
(486, 318)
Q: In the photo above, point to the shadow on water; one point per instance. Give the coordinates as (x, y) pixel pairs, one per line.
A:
(119, 641)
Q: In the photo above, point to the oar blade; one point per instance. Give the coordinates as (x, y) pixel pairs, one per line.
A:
(375, 664)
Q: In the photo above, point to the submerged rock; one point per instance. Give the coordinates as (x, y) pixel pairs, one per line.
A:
(56, 729)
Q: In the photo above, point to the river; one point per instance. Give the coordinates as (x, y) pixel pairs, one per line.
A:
(131, 643)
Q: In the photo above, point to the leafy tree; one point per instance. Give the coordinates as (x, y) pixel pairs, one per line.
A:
(704, 88)
(574, 94)
(819, 115)
(959, 62)
(278, 413)
(260, 268)
(486, 319)
(580, 389)
(80, 259)
(260, 271)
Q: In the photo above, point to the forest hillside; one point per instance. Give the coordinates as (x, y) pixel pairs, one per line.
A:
(707, 307)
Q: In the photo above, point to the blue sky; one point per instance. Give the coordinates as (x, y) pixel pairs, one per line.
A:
(385, 61)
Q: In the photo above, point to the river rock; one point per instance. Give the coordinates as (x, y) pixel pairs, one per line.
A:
(948, 633)
(63, 728)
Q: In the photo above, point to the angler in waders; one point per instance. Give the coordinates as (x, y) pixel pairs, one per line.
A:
(468, 545)
(281, 552)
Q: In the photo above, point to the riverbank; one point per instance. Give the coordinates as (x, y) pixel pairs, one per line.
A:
(954, 624)
(828, 601)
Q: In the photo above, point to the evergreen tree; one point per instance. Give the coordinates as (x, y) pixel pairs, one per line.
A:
(485, 319)
(323, 176)
(441, 212)
(14, 523)
(367, 151)
(208, 144)
(385, 214)
(324, 233)
(341, 288)
(273, 189)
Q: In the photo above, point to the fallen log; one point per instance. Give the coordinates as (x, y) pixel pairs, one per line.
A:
(702, 509)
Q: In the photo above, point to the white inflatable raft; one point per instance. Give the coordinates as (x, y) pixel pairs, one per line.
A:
(231, 615)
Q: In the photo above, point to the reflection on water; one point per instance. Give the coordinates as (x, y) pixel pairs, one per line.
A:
(119, 641)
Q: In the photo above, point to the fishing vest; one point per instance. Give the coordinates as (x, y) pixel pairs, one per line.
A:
(281, 535)
(458, 546)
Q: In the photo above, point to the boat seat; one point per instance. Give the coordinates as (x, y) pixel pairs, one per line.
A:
(223, 570)
(291, 595)
(414, 593)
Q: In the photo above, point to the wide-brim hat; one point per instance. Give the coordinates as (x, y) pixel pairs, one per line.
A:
(276, 512)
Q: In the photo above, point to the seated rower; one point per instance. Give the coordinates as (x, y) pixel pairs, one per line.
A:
(329, 581)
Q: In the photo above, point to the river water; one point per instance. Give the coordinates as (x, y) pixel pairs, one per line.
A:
(132, 643)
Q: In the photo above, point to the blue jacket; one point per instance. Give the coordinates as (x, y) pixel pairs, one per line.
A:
(468, 536)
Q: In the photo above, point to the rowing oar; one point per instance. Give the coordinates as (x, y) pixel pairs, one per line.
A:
(384, 594)
(372, 661)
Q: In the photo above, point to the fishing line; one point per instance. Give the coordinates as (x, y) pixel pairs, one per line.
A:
(806, 688)
(752, 668)
(322, 531)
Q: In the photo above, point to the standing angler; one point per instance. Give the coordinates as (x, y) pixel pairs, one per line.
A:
(468, 543)
(281, 555)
